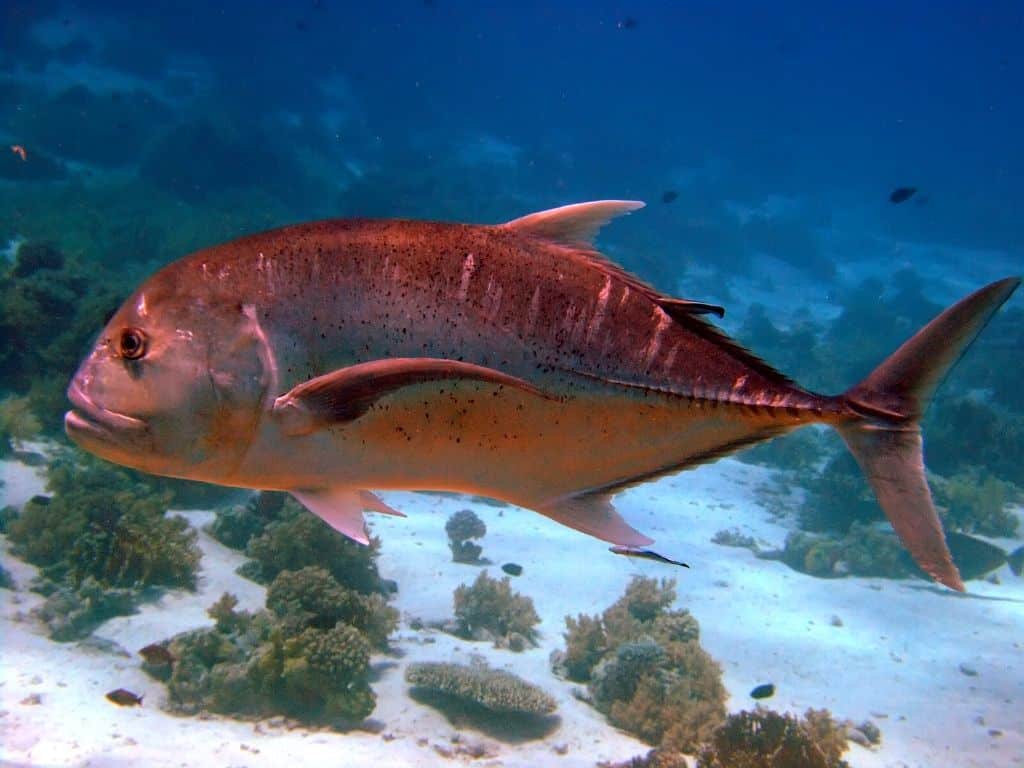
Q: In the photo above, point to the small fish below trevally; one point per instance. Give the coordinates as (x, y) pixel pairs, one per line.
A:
(512, 361)
(125, 698)
(763, 691)
(645, 554)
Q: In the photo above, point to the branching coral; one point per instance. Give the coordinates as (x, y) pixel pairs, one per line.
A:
(645, 667)
(297, 539)
(312, 598)
(294, 660)
(101, 531)
(765, 739)
(493, 689)
(865, 550)
(585, 645)
(461, 527)
(50, 307)
(17, 423)
(234, 526)
(976, 503)
(490, 610)
(101, 523)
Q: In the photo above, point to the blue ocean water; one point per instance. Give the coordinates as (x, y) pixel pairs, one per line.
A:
(768, 140)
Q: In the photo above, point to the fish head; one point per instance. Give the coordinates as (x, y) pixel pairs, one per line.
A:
(174, 385)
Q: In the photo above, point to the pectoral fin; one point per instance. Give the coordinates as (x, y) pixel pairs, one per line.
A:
(348, 393)
(342, 509)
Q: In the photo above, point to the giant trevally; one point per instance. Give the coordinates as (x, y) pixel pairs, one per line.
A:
(512, 361)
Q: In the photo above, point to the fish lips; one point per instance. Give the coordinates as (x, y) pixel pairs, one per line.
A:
(89, 422)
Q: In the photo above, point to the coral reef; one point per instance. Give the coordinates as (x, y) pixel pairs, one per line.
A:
(101, 523)
(766, 739)
(50, 308)
(645, 667)
(236, 525)
(656, 758)
(733, 537)
(296, 539)
(838, 497)
(865, 550)
(461, 527)
(73, 613)
(307, 656)
(99, 540)
(17, 423)
(490, 610)
(964, 434)
(799, 451)
(976, 502)
(493, 689)
(313, 598)
(6, 580)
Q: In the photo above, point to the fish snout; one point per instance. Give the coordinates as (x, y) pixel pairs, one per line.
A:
(87, 416)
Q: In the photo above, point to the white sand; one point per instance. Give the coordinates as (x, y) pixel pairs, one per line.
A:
(895, 659)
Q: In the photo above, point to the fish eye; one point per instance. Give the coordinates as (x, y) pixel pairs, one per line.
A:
(133, 344)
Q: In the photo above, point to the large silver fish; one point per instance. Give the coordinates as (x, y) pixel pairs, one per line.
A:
(512, 361)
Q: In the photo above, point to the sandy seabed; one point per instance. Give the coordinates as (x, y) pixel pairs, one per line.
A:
(896, 659)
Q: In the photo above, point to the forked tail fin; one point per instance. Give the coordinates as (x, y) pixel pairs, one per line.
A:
(886, 441)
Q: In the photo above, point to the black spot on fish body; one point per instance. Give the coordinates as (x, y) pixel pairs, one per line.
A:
(512, 569)
(764, 691)
(627, 23)
(902, 194)
(669, 196)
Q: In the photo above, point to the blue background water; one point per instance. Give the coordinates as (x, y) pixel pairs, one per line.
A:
(832, 103)
(765, 137)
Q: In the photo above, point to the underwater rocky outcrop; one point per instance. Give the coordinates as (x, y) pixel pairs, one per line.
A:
(490, 610)
(645, 668)
(100, 540)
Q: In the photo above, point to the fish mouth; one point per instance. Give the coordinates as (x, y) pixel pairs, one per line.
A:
(87, 419)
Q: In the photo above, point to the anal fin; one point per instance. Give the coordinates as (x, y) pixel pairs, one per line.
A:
(593, 514)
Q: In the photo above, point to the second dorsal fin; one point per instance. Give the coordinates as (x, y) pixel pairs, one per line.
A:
(576, 224)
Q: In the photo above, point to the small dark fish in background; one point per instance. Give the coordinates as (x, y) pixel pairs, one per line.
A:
(1016, 561)
(763, 691)
(627, 23)
(669, 196)
(157, 655)
(644, 554)
(976, 557)
(902, 194)
(512, 569)
(125, 698)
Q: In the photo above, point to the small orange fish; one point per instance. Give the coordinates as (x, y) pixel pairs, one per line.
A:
(19, 151)
(125, 698)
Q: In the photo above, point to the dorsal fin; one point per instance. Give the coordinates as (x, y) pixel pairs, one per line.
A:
(573, 227)
(576, 224)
